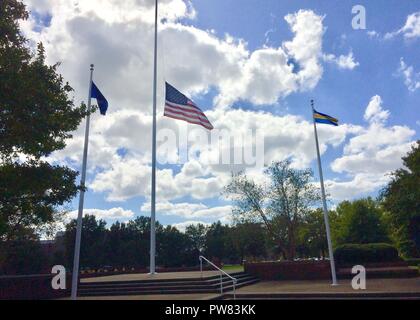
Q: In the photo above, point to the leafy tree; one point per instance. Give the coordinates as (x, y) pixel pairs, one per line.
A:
(401, 200)
(280, 205)
(22, 257)
(359, 221)
(249, 240)
(197, 235)
(120, 246)
(175, 249)
(312, 235)
(139, 231)
(36, 118)
(93, 238)
(218, 243)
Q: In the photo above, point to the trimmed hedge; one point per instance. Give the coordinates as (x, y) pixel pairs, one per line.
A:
(365, 253)
(415, 262)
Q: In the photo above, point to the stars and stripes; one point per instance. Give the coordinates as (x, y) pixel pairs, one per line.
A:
(179, 107)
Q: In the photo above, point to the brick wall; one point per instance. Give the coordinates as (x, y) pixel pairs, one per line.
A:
(289, 270)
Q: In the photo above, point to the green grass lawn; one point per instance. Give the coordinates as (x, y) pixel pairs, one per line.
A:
(233, 268)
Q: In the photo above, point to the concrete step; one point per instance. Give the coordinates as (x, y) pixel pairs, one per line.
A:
(164, 286)
(138, 291)
(162, 282)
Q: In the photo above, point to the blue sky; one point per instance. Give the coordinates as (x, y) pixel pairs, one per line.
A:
(369, 79)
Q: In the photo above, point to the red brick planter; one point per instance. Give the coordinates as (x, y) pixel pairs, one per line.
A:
(289, 270)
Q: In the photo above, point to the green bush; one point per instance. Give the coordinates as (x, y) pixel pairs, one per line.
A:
(413, 262)
(365, 253)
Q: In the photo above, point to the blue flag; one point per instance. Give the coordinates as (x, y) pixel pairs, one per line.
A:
(102, 102)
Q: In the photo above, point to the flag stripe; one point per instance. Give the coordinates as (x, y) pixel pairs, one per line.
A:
(185, 108)
(188, 119)
(319, 115)
(187, 114)
(326, 121)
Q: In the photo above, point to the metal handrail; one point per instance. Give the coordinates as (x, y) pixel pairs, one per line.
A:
(234, 280)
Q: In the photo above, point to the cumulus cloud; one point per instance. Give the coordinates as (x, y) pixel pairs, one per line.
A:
(107, 214)
(411, 78)
(374, 112)
(343, 61)
(411, 28)
(192, 211)
(371, 154)
(124, 177)
(118, 37)
(181, 226)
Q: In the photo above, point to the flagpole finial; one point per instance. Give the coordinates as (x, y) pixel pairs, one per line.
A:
(91, 67)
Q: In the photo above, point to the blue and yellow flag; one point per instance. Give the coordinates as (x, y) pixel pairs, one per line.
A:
(324, 118)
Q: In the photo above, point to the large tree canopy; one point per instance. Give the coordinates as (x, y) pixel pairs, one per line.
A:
(36, 118)
(401, 200)
(359, 221)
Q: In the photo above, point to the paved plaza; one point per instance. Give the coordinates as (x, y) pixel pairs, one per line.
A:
(147, 276)
(317, 288)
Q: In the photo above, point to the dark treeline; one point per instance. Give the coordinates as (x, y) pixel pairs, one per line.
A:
(127, 244)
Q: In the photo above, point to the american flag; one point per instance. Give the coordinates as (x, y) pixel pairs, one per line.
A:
(178, 106)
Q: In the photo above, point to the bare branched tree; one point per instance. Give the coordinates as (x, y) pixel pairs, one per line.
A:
(280, 204)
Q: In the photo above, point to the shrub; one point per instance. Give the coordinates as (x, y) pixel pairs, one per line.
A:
(365, 253)
(415, 262)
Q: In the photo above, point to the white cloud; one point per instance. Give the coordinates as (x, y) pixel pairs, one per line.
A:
(343, 61)
(106, 214)
(360, 185)
(374, 112)
(181, 226)
(191, 211)
(125, 179)
(411, 78)
(371, 154)
(118, 37)
(284, 137)
(410, 30)
(372, 34)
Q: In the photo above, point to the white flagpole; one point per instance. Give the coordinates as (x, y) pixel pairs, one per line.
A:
(324, 203)
(75, 274)
(153, 193)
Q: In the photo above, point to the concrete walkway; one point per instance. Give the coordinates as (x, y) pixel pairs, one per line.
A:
(323, 286)
(146, 276)
(264, 289)
(206, 296)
